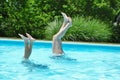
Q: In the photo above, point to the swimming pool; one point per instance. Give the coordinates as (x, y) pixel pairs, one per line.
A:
(82, 61)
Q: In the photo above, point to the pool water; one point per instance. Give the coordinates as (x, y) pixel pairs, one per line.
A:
(82, 61)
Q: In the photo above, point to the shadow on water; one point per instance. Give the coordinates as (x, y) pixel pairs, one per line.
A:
(33, 66)
(63, 58)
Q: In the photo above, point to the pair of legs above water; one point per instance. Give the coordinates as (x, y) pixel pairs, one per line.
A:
(28, 45)
(57, 42)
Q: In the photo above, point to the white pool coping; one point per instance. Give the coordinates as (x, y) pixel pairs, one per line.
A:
(67, 42)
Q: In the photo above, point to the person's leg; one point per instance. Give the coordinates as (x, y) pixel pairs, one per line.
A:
(65, 18)
(64, 29)
(57, 43)
(30, 44)
(26, 46)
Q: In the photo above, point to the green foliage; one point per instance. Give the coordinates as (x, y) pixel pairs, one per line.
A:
(32, 16)
(89, 29)
(21, 17)
(83, 29)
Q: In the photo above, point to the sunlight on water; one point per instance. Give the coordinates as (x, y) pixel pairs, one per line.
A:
(81, 62)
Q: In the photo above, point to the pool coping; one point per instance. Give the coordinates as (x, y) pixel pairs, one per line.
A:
(67, 42)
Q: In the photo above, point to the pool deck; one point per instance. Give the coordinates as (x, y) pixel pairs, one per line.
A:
(67, 42)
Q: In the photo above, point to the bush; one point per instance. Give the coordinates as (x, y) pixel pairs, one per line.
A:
(21, 16)
(83, 29)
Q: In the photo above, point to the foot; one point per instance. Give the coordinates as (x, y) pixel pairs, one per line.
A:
(23, 37)
(65, 17)
(30, 37)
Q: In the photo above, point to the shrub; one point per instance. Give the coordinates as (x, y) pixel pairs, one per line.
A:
(83, 29)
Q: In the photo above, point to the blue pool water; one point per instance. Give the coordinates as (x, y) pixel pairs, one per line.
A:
(81, 62)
